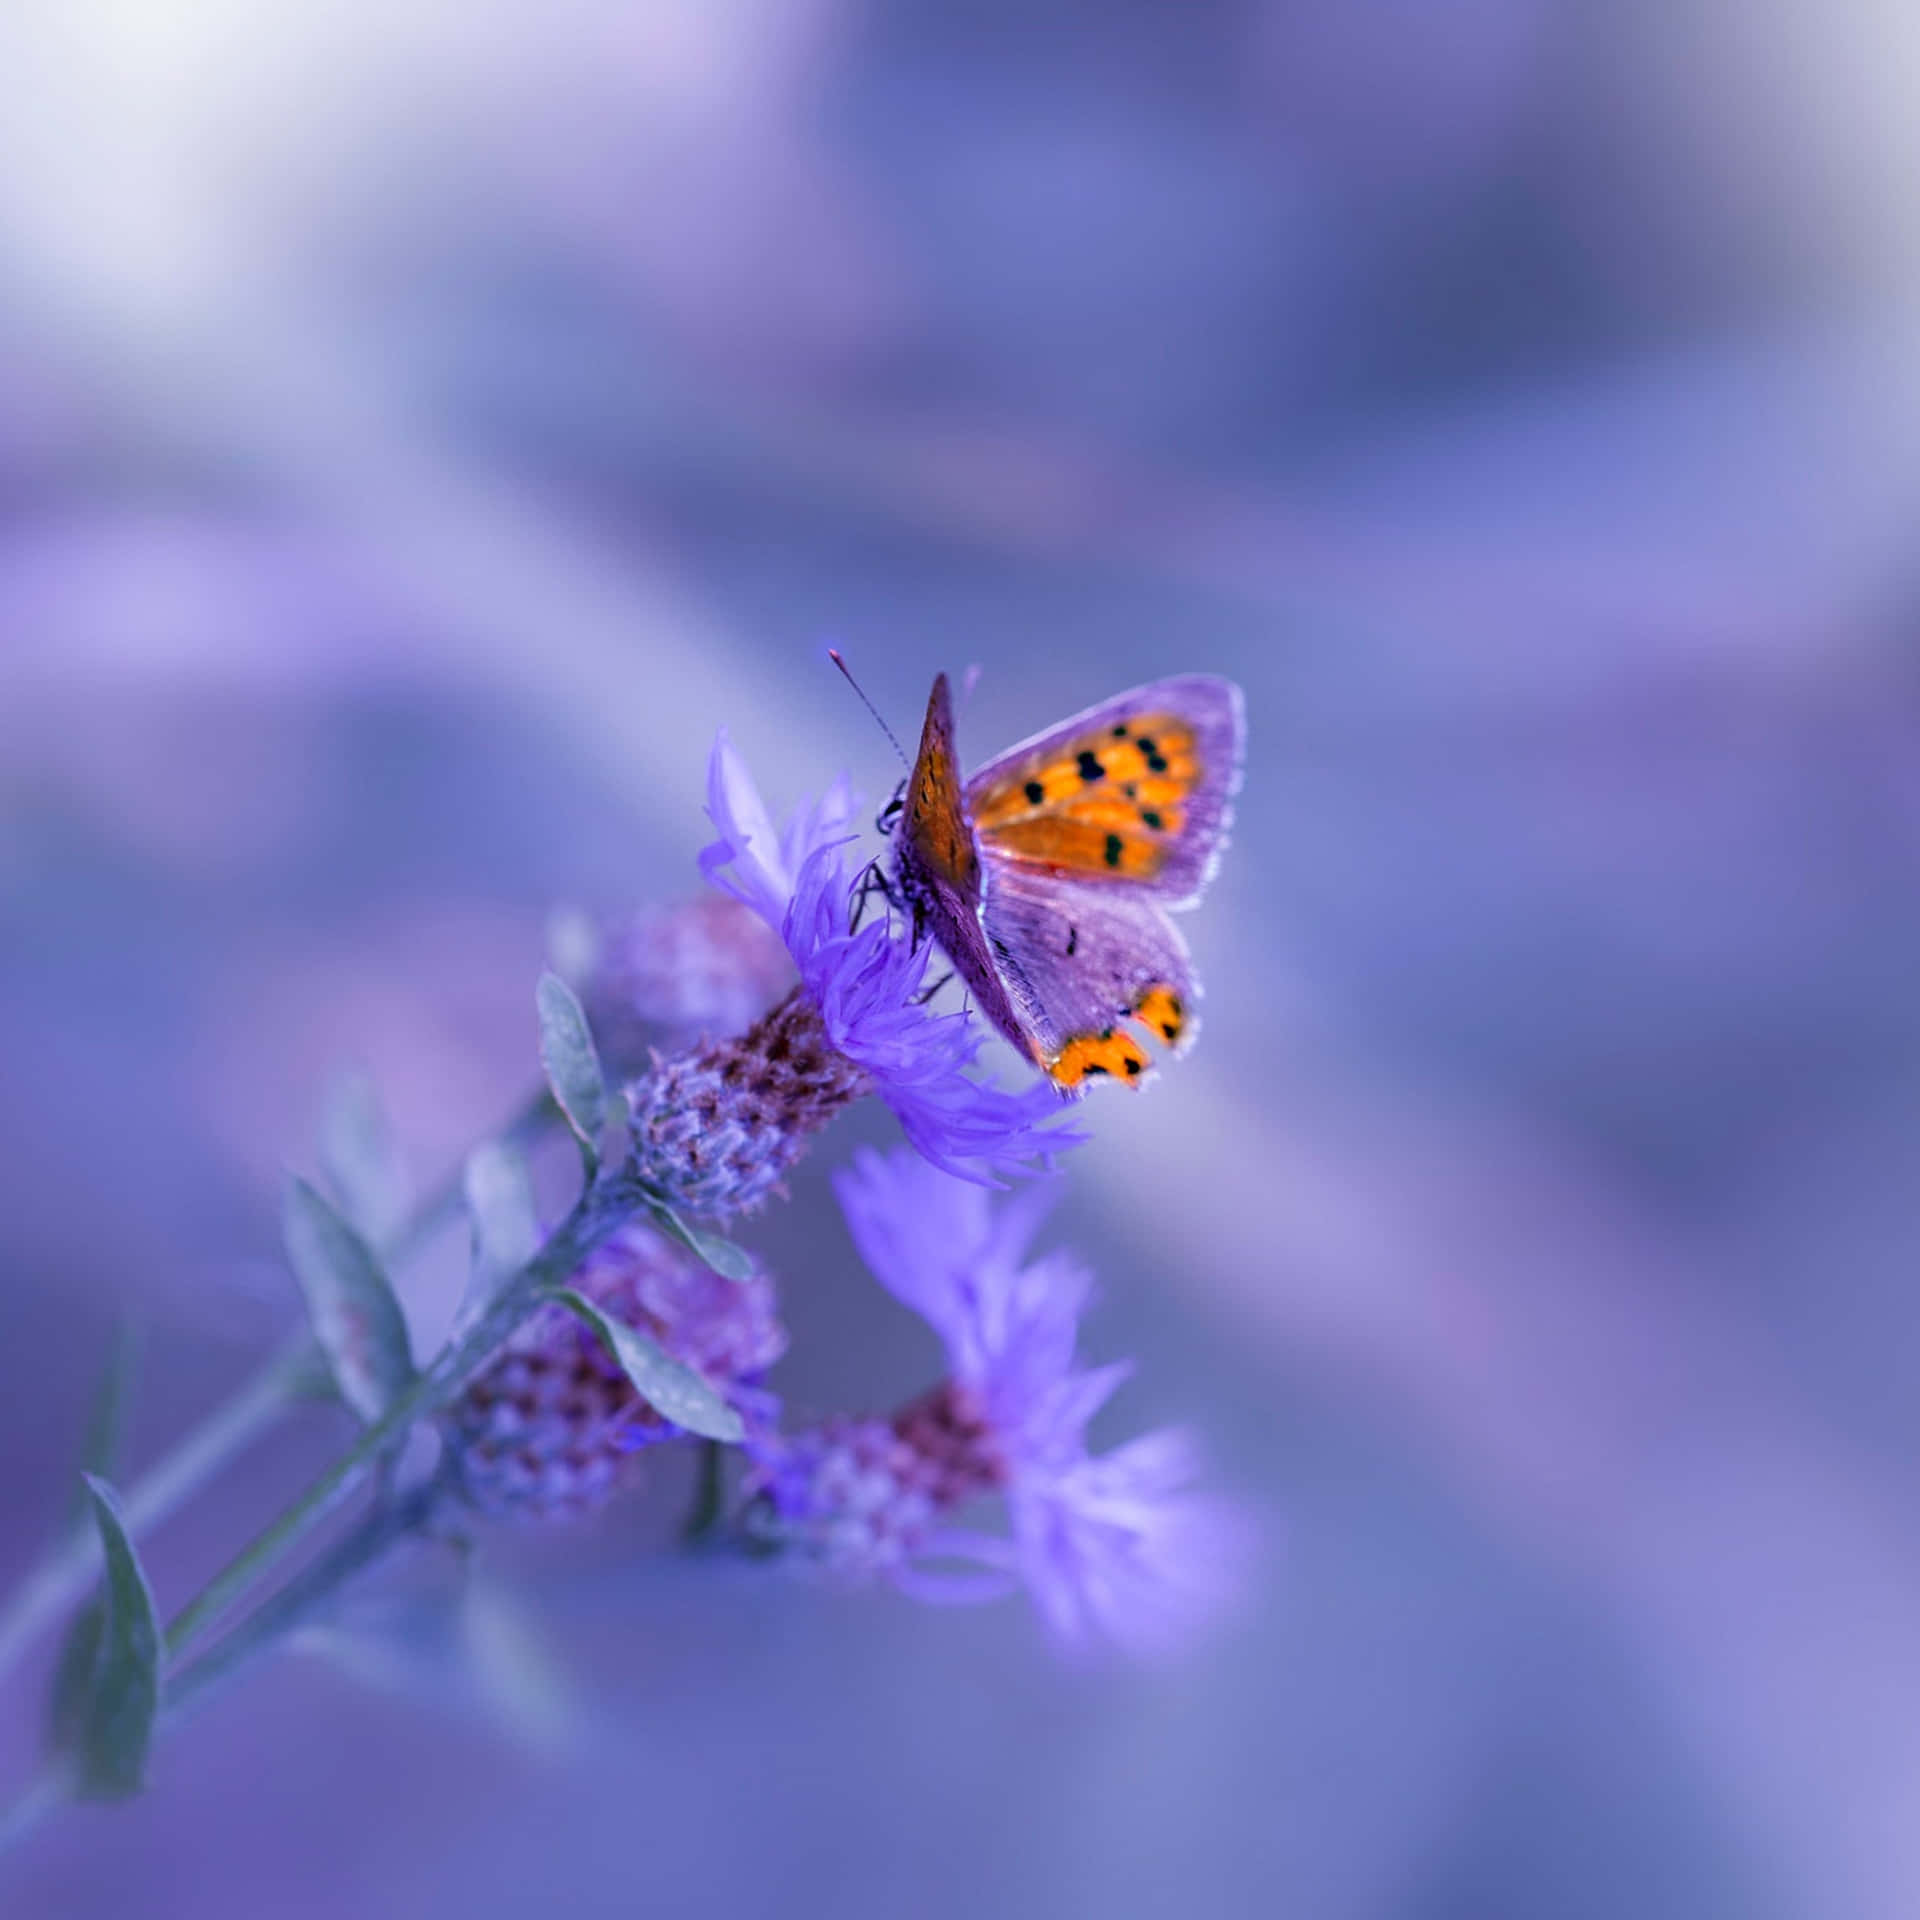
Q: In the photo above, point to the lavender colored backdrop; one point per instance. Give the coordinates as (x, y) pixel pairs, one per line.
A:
(420, 427)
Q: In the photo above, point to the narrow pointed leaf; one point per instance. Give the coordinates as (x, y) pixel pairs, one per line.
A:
(499, 1190)
(365, 1173)
(729, 1261)
(572, 1062)
(106, 1432)
(515, 1671)
(100, 1452)
(355, 1316)
(113, 1727)
(573, 944)
(669, 1386)
(506, 1230)
(74, 1670)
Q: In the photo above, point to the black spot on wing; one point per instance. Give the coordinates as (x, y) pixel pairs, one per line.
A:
(1035, 792)
(1090, 767)
(1115, 848)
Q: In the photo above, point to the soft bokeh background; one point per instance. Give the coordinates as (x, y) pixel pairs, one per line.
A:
(421, 425)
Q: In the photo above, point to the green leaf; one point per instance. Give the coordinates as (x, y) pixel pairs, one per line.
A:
(499, 1190)
(112, 1716)
(572, 1063)
(514, 1670)
(573, 944)
(669, 1386)
(729, 1261)
(106, 1432)
(355, 1316)
(100, 1452)
(506, 1231)
(73, 1672)
(365, 1173)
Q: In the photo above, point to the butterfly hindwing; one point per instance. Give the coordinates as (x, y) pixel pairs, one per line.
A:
(1134, 793)
(1093, 970)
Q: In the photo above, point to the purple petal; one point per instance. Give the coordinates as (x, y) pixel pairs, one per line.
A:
(1127, 1552)
(748, 845)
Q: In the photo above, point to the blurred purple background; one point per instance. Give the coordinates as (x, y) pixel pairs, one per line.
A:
(421, 426)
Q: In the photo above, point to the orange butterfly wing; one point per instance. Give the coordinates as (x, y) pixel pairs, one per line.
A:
(934, 822)
(1106, 804)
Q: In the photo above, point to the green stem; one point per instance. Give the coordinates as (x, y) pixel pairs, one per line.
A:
(63, 1577)
(709, 1488)
(598, 1214)
(263, 1630)
(303, 1596)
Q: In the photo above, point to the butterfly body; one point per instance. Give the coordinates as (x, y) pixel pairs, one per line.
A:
(1047, 877)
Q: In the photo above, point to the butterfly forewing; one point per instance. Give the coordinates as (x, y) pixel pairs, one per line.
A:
(934, 826)
(1134, 791)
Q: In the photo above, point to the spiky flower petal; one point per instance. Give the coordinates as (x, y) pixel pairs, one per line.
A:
(719, 1126)
(1125, 1548)
(1130, 1547)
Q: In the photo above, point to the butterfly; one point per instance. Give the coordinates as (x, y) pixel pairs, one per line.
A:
(1047, 877)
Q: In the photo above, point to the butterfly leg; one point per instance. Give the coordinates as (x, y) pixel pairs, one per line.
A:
(926, 993)
(872, 880)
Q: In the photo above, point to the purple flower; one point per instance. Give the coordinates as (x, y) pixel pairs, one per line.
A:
(705, 967)
(867, 984)
(1130, 1547)
(717, 1128)
(1124, 1548)
(554, 1427)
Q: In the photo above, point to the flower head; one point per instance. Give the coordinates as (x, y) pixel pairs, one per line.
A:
(1124, 1548)
(706, 967)
(555, 1427)
(719, 1127)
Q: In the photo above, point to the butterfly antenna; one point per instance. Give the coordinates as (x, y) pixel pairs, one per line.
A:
(833, 654)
